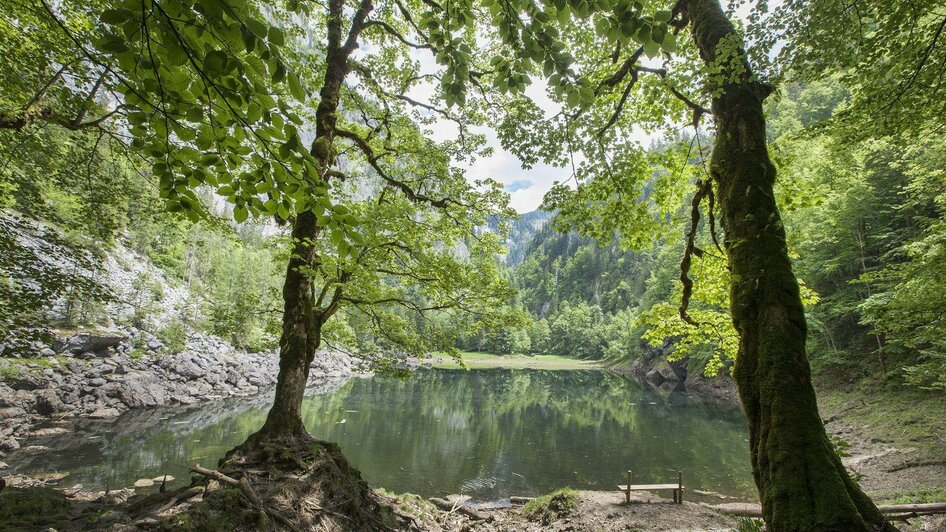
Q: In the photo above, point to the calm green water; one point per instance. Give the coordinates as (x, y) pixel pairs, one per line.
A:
(488, 434)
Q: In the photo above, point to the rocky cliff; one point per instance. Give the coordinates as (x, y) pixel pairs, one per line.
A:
(119, 363)
(653, 368)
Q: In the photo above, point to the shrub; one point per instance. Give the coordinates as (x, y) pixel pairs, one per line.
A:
(173, 336)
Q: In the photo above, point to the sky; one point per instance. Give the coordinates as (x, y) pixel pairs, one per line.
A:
(526, 187)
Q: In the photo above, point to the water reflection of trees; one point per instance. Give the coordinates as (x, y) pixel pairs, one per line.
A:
(486, 433)
(503, 432)
(147, 443)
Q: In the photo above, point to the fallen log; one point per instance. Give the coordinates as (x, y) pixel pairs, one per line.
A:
(919, 463)
(519, 500)
(448, 506)
(931, 508)
(216, 475)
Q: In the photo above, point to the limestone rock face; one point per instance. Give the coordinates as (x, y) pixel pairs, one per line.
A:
(87, 342)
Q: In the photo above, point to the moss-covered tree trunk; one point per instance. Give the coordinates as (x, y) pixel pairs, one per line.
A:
(301, 335)
(302, 318)
(801, 481)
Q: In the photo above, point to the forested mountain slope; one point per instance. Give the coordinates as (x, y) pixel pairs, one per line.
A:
(865, 228)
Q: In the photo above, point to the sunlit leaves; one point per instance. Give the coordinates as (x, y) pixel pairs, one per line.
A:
(211, 98)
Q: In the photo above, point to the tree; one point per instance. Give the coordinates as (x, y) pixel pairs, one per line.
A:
(214, 94)
(802, 483)
(896, 84)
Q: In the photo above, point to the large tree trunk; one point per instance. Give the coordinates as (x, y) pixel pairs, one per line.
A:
(801, 481)
(302, 321)
(301, 335)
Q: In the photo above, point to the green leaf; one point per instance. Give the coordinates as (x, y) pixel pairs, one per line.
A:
(240, 214)
(215, 63)
(116, 16)
(256, 27)
(279, 73)
(651, 49)
(114, 44)
(670, 43)
(295, 87)
(276, 36)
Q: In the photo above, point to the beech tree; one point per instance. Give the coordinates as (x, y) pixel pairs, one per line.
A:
(622, 66)
(269, 106)
(890, 55)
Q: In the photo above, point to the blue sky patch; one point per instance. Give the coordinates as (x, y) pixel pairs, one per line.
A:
(519, 184)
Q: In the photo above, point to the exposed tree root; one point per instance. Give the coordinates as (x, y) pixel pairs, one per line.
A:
(296, 483)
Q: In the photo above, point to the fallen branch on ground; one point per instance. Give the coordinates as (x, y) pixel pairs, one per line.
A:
(919, 463)
(444, 504)
(911, 510)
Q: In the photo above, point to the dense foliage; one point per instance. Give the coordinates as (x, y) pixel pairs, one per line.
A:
(865, 222)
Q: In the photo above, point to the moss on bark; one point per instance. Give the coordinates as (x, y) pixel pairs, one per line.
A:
(801, 481)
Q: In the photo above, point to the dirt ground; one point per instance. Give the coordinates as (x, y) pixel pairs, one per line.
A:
(595, 511)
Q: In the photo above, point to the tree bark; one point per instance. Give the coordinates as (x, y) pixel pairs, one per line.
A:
(801, 481)
(301, 334)
(302, 317)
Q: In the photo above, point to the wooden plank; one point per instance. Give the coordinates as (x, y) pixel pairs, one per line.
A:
(679, 492)
(630, 481)
(649, 487)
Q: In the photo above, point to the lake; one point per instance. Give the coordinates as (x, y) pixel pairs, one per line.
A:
(488, 434)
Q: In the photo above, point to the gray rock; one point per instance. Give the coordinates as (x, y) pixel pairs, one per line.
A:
(12, 412)
(98, 381)
(47, 402)
(9, 444)
(26, 382)
(667, 372)
(6, 395)
(104, 413)
(47, 352)
(138, 391)
(187, 369)
(47, 432)
(87, 342)
(654, 378)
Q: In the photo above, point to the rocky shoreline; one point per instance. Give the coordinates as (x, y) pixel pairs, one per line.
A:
(101, 375)
(653, 368)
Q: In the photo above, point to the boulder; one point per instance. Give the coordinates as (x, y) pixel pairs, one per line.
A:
(187, 369)
(49, 431)
(9, 444)
(104, 413)
(11, 412)
(47, 402)
(6, 396)
(654, 377)
(667, 372)
(26, 382)
(88, 342)
(138, 391)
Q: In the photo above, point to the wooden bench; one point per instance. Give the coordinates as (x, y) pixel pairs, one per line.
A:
(676, 488)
